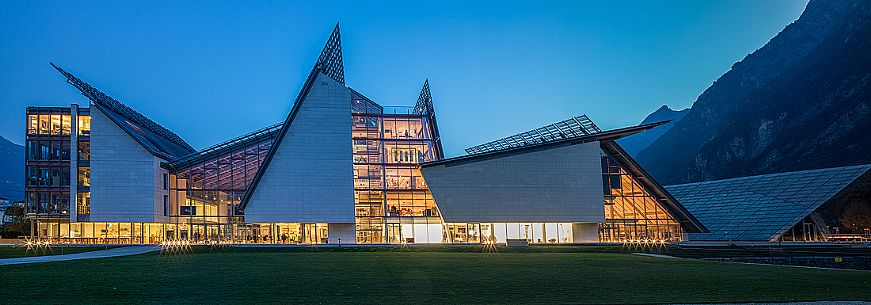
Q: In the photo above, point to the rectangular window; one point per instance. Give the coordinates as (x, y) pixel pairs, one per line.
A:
(66, 125)
(32, 124)
(84, 178)
(55, 124)
(43, 123)
(32, 150)
(84, 150)
(84, 125)
(165, 205)
(44, 150)
(84, 203)
(165, 181)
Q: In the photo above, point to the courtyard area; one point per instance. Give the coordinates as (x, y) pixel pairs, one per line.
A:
(403, 275)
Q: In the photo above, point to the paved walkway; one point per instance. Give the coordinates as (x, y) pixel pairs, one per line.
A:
(654, 255)
(119, 251)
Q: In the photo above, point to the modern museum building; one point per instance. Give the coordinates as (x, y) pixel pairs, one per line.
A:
(341, 169)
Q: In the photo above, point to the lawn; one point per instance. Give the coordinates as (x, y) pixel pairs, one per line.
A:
(381, 276)
(9, 252)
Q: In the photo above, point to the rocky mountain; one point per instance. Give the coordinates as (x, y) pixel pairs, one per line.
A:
(802, 101)
(11, 170)
(635, 143)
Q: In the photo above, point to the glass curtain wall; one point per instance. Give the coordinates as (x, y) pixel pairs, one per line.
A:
(104, 232)
(392, 202)
(204, 197)
(539, 233)
(83, 193)
(631, 212)
(47, 160)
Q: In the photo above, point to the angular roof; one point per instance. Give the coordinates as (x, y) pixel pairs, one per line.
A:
(424, 101)
(763, 207)
(571, 128)
(156, 139)
(608, 135)
(362, 104)
(672, 205)
(330, 61)
(425, 107)
(227, 146)
(606, 138)
(330, 64)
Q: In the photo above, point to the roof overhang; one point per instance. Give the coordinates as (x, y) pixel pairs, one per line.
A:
(609, 135)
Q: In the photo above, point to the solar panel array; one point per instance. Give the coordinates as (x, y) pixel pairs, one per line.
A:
(330, 61)
(150, 134)
(424, 101)
(761, 208)
(571, 128)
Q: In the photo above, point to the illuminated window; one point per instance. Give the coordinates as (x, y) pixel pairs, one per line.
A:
(84, 125)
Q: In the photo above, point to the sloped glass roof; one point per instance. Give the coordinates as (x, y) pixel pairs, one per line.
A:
(761, 208)
(267, 133)
(154, 137)
(574, 127)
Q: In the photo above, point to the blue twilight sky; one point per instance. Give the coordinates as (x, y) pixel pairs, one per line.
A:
(213, 70)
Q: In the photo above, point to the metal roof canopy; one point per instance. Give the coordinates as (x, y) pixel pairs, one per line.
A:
(570, 128)
(763, 207)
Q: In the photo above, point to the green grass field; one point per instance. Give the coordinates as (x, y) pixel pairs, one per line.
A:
(390, 276)
(9, 252)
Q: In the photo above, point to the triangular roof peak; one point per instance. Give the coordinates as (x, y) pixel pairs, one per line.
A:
(330, 61)
(424, 101)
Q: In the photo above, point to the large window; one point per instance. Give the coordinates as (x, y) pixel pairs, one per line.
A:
(84, 178)
(83, 206)
(84, 150)
(84, 125)
(631, 212)
(392, 202)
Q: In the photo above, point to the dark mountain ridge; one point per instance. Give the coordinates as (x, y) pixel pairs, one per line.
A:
(635, 143)
(11, 170)
(802, 101)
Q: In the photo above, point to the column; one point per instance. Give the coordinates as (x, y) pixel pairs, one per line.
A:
(74, 162)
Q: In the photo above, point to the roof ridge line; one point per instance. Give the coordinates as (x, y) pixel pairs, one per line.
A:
(98, 97)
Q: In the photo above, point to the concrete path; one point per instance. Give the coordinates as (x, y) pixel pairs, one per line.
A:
(655, 255)
(119, 251)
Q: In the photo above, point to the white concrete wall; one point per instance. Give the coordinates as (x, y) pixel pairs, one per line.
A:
(310, 177)
(123, 175)
(585, 232)
(347, 232)
(562, 184)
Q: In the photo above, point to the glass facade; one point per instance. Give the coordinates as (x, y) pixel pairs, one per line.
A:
(392, 202)
(206, 188)
(49, 150)
(631, 212)
(540, 233)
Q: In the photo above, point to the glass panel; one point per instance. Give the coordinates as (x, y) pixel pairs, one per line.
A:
(55, 124)
(83, 206)
(44, 124)
(66, 126)
(32, 124)
(84, 150)
(631, 212)
(84, 125)
(84, 176)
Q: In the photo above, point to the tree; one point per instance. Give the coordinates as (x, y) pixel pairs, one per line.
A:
(856, 216)
(19, 226)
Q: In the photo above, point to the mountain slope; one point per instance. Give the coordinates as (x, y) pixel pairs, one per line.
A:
(802, 101)
(11, 170)
(635, 143)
